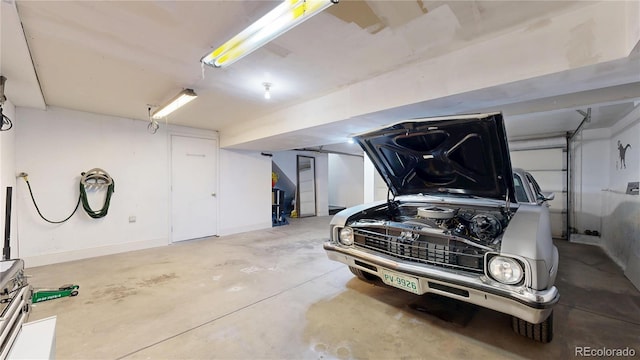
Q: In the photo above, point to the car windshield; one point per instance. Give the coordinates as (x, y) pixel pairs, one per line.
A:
(521, 195)
(535, 186)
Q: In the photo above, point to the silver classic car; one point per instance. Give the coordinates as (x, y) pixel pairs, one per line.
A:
(527, 188)
(453, 225)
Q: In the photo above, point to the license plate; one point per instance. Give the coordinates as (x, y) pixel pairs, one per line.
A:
(403, 282)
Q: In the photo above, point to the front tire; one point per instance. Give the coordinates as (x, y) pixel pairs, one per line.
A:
(542, 332)
(362, 275)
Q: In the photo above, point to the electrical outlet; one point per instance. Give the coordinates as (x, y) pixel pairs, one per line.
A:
(132, 219)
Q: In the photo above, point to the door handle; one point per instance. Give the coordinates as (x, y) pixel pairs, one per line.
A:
(213, 194)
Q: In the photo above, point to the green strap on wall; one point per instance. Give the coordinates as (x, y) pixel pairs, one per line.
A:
(96, 214)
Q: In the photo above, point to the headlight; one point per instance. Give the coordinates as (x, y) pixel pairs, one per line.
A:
(505, 270)
(346, 236)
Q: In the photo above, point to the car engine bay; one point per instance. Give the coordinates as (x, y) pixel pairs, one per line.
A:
(482, 226)
(456, 237)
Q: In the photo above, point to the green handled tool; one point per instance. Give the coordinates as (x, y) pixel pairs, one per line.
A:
(50, 294)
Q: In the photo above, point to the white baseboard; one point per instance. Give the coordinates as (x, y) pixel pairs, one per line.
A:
(54, 258)
(585, 239)
(47, 259)
(596, 241)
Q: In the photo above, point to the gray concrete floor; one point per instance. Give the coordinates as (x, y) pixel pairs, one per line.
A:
(273, 294)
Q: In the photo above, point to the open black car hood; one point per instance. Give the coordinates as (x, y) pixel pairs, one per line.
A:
(466, 154)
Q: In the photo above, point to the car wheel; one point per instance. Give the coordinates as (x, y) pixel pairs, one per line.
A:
(74, 293)
(542, 332)
(362, 275)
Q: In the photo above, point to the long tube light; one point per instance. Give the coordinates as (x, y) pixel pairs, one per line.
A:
(283, 18)
(184, 97)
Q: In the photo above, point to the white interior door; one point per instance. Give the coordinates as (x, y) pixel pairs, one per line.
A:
(193, 188)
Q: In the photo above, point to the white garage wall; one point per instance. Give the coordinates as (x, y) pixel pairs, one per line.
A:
(287, 160)
(591, 175)
(54, 146)
(601, 184)
(368, 172)
(245, 191)
(7, 176)
(346, 180)
(375, 188)
(621, 222)
(322, 184)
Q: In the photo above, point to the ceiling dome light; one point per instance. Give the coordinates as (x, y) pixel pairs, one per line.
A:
(267, 90)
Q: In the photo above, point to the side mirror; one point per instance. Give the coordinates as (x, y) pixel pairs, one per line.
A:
(547, 196)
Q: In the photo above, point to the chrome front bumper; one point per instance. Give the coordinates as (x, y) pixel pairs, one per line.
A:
(530, 305)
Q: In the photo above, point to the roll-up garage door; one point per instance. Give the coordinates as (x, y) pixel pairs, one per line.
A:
(546, 160)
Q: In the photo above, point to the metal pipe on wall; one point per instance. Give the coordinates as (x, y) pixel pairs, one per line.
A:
(570, 137)
(6, 250)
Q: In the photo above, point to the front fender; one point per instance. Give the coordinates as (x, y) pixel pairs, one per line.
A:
(529, 235)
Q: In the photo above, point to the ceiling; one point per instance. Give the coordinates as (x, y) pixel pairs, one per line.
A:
(120, 57)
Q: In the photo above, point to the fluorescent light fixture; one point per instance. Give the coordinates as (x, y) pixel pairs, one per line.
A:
(275, 23)
(184, 97)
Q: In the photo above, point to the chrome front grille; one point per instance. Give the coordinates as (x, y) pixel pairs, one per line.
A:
(440, 251)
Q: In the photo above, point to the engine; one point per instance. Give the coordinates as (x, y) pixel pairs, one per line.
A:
(452, 237)
(480, 226)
